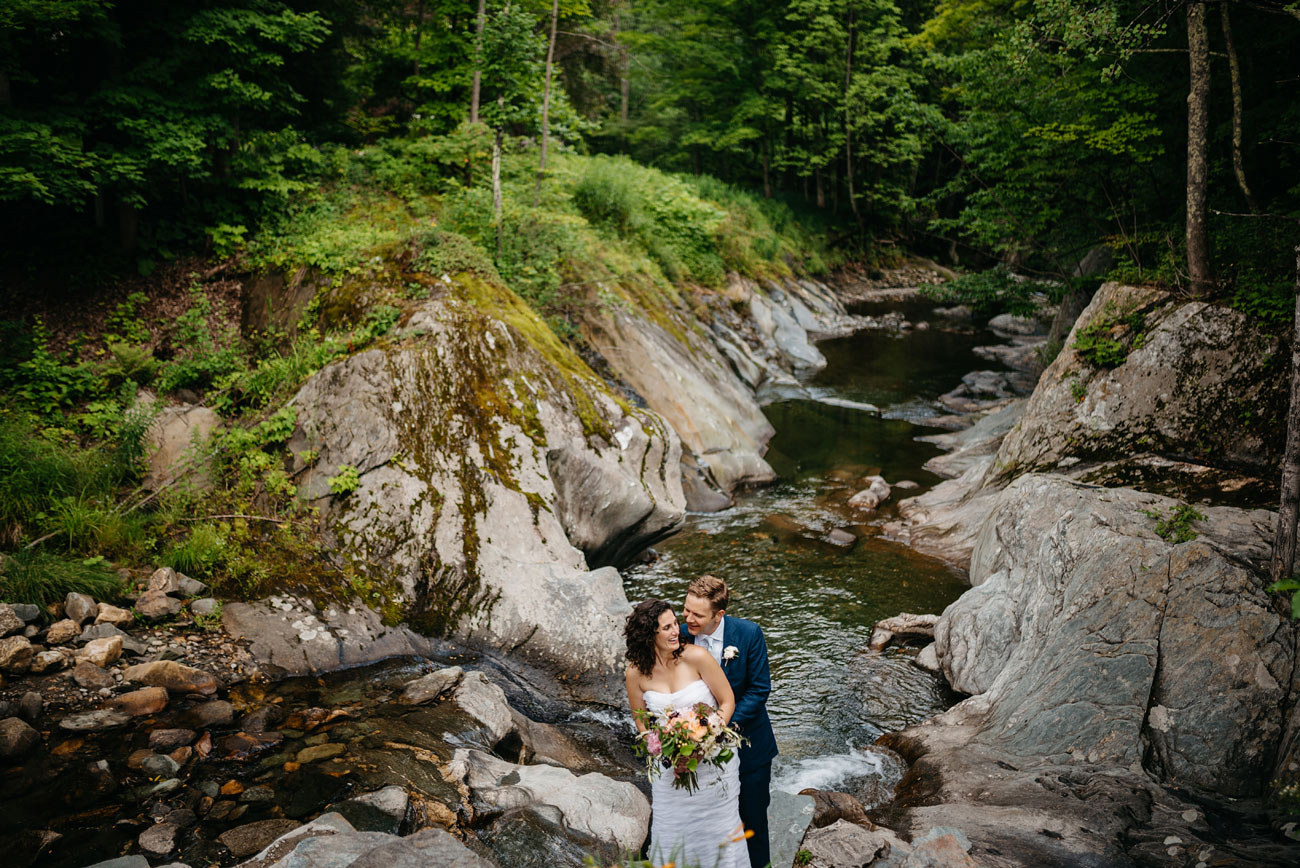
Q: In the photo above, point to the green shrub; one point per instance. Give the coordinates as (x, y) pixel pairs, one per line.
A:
(439, 251)
(1177, 526)
(1107, 340)
(345, 482)
(997, 290)
(42, 578)
(206, 348)
(199, 554)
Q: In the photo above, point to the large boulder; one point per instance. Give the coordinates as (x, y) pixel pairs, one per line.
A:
(1197, 379)
(593, 806)
(174, 446)
(456, 514)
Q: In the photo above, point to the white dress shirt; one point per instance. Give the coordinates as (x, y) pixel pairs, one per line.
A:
(712, 642)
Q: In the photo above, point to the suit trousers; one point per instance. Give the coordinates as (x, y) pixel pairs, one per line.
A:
(755, 795)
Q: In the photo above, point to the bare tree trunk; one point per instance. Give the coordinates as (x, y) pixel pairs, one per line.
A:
(546, 101)
(821, 191)
(1198, 123)
(419, 29)
(478, 61)
(767, 169)
(1234, 68)
(848, 126)
(624, 78)
(496, 186)
(1285, 541)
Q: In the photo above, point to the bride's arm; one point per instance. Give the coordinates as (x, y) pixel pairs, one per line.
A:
(714, 677)
(632, 679)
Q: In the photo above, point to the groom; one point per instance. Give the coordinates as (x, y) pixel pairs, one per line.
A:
(739, 646)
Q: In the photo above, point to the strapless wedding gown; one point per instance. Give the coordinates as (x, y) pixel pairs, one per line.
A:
(696, 828)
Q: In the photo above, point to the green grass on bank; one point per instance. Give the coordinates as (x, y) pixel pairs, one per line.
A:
(601, 231)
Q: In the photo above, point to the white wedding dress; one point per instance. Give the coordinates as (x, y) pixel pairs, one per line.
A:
(696, 828)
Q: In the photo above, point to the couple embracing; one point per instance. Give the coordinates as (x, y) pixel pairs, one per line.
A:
(720, 661)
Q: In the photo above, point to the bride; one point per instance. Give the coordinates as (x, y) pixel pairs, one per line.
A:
(701, 827)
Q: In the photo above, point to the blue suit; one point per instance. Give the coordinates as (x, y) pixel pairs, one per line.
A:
(751, 681)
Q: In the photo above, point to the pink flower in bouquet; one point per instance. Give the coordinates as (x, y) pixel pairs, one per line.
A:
(652, 743)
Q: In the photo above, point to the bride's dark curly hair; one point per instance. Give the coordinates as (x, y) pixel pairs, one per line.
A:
(640, 631)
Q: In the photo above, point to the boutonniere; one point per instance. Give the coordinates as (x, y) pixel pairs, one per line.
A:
(730, 652)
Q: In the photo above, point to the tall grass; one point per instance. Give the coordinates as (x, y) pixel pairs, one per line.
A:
(43, 578)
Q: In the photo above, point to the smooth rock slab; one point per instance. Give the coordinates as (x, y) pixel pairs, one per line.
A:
(250, 838)
(328, 824)
(424, 849)
(94, 721)
(429, 687)
(137, 703)
(612, 812)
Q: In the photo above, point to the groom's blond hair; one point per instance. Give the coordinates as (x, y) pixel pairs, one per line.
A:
(712, 589)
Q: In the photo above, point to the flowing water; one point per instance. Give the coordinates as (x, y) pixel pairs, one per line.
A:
(816, 601)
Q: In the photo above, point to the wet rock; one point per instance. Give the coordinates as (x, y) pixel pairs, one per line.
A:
(30, 706)
(830, 806)
(137, 703)
(155, 605)
(612, 812)
(137, 757)
(114, 615)
(176, 677)
(257, 794)
(169, 739)
(319, 752)
(94, 721)
(159, 840)
(309, 719)
(15, 655)
(876, 493)
(47, 661)
(250, 838)
(1010, 324)
(241, 745)
(9, 620)
(102, 652)
(161, 788)
(381, 811)
(215, 712)
(181, 817)
(906, 485)
(928, 659)
(486, 703)
(959, 313)
(840, 538)
(182, 754)
(17, 738)
(79, 608)
(205, 607)
(906, 625)
(91, 677)
(133, 861)
(262, 719)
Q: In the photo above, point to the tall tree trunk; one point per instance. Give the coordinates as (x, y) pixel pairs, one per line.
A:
(128, 225)
(767, 168)
(496, 186)
(478, 61)
(624, 78)
(419, 30)
(848, 125)
(546, 101)
(1198, 124)
(1285, 540)
(1234, 69)
(821, 190)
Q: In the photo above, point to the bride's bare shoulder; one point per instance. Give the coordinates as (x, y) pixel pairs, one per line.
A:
(694, 654)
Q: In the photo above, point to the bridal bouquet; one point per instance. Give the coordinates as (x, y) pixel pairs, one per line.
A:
(682, 739)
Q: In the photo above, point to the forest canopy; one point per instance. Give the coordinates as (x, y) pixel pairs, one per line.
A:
(1160, 136)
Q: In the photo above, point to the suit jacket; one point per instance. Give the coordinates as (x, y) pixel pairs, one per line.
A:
(751, 681)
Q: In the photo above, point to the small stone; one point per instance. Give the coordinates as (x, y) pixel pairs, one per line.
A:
(217, 712)
(104, 692)
(907, 484)
(257, 794)
(31, 631)
(168, 739)
(159, 766)
(205, 607)
(241, 745)
(103, 652)
(209, 789)
(231, 787)
(137, 703)
(137, 758)
(162, 788)
(182, 754)
(27, 611)
(181, 817)
(319, 752)
(62, 632)
(47, 661)
(171, 652)
(90, 676)
(251, 838)
(17, 738)
(93, 721)
(15, 655)
(431, 686)
(30, 706)
(79, 608)
(114, 615)
(155, 605)
(9, 620)
(191, 587)
(176, 677)
(159, 840)
(262, 719)
(164, 580)
(840, 538)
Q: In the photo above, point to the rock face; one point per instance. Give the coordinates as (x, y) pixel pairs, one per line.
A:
(456, 511)
(1106, 664)
(173, 445)
(1203, 380)
(613, 813)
